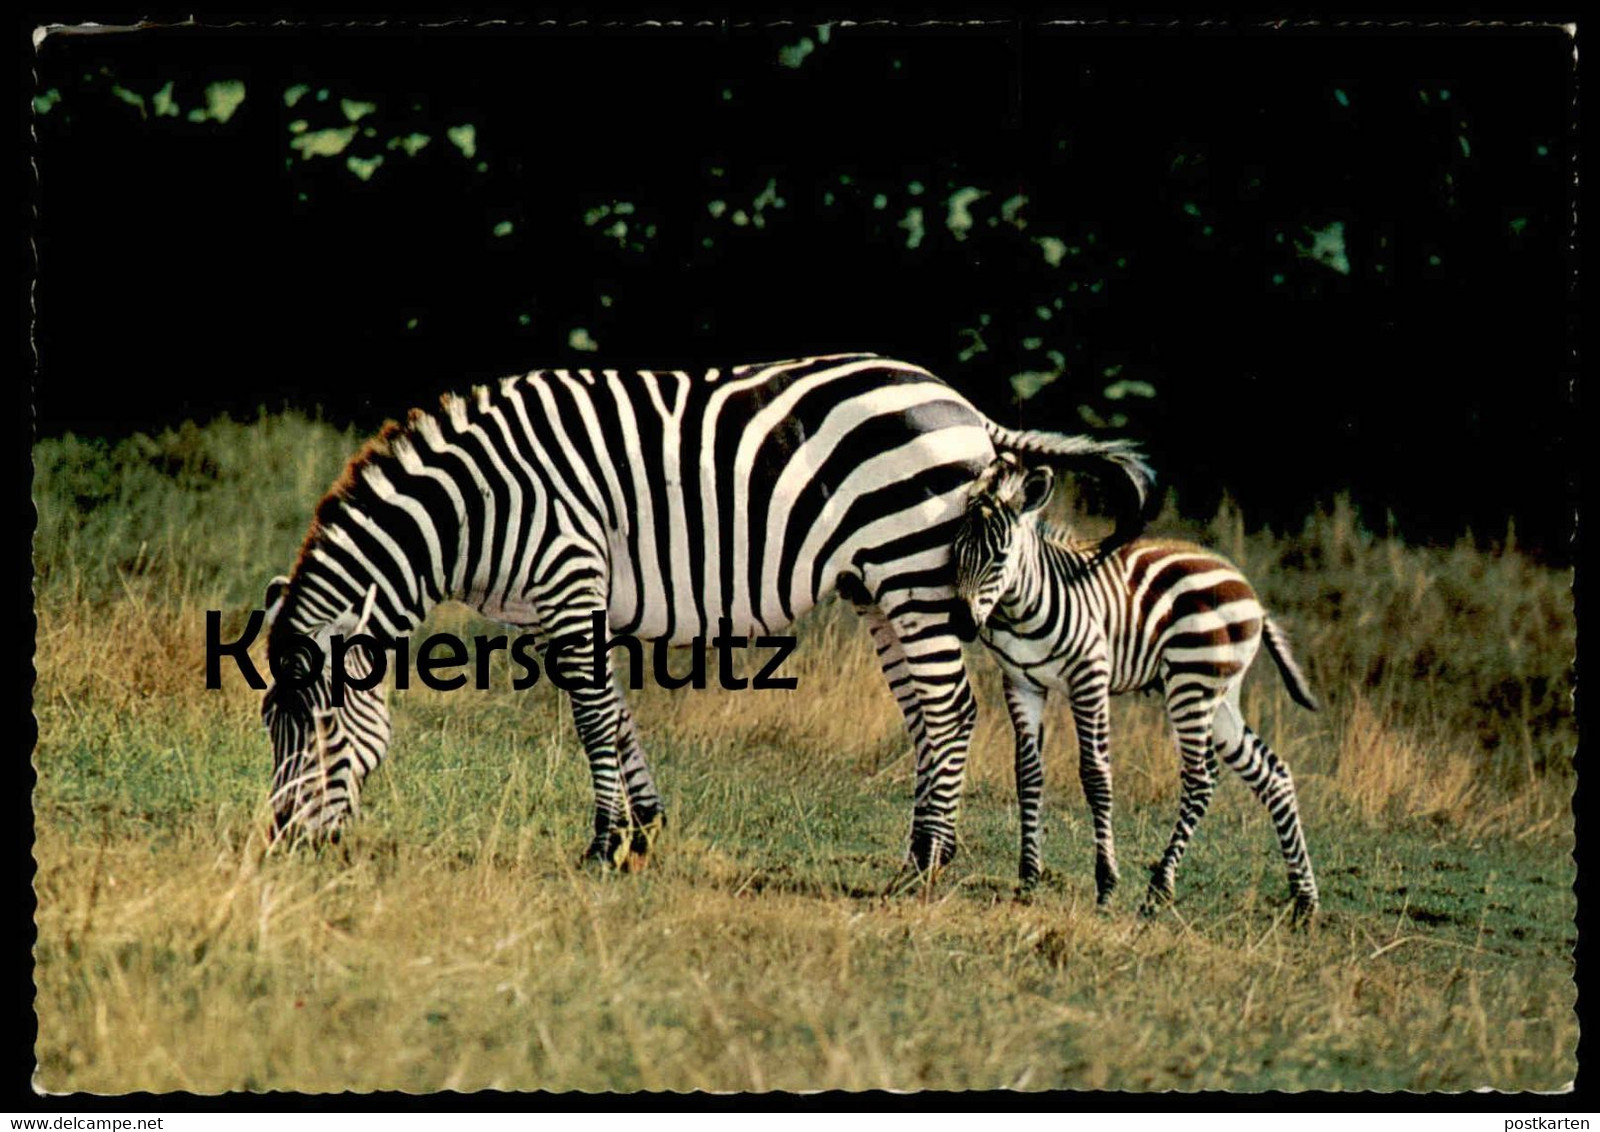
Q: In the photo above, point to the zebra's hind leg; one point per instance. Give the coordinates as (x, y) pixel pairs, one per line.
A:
(1268, 776)
(647, 816)
(1191, 710)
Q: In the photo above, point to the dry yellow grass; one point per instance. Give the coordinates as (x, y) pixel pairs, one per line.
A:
(199, 969)
(452, 943)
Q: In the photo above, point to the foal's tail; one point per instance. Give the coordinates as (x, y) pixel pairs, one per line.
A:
(1293, 678)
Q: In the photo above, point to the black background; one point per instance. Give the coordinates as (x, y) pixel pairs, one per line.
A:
(189, 269)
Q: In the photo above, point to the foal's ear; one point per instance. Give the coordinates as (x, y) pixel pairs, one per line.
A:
(1036, 488)
(277, 590)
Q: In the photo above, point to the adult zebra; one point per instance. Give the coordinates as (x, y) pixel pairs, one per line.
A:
(666, 502)
(1095, 621)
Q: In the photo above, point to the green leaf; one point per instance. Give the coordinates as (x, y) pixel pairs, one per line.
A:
(412, 143)
(1027, 384)
(1129, 388)
(223, 98)
(131, 97)
(959, 218)
(913, 226)
(323, 143)
(163, 104)
(464, 138)
(363, 167)
(792, 57)
(1054, 250)
(1327, 247)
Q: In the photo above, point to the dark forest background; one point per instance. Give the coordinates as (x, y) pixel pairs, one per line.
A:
(1292, 262)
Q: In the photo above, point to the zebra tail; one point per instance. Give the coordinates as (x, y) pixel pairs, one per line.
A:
(1293, 678)
(1133, 492)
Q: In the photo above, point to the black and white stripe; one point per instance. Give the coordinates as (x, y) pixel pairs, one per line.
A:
(666, 501)
(1095, 622)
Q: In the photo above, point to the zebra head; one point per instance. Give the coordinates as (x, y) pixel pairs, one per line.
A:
(321, 751)
(1002, 502)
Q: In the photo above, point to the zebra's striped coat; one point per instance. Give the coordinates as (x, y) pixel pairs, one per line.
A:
(1149, 615)
(665, 501)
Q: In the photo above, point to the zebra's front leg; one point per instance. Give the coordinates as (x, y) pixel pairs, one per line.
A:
(1091, 715)
(647, 816)
(949, 712)
(896, 670)
(1190, 712)
(902, 685)
(1025, 702)
(598, 714)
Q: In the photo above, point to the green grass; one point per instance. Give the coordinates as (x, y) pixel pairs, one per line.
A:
(451, 941)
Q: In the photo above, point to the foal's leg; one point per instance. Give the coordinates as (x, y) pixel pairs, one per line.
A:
(1025, 702)
(1091, 715)
(1191, 709)
(1268, 776)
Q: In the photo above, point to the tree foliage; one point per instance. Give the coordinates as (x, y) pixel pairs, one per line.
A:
(1291, 262)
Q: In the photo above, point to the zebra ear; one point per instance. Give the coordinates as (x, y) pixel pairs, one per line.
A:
(277, 590)
(1036, 488)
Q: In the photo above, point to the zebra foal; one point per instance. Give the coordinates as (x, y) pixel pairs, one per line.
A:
(667, 505)
(1094, 622)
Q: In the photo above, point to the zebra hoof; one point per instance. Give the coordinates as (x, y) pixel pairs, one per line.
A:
(641, 843)
(1105, 883)
(1304, 911)
(931, 852)
(911, 879)
(1156, 901)
(609, 850)
(643, 836)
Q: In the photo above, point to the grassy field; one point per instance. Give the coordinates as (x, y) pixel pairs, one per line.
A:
(451, 942)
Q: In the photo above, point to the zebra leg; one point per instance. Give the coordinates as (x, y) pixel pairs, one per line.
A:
(896, 672)
(1191, 710)
(647, 816)
(947, 713)
(598, 714)
(1025, 702)
(1268, 776)
(1091, 715)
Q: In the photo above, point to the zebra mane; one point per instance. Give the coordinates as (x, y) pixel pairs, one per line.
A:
(1063, 538)
(378, 447)
(385, 444)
